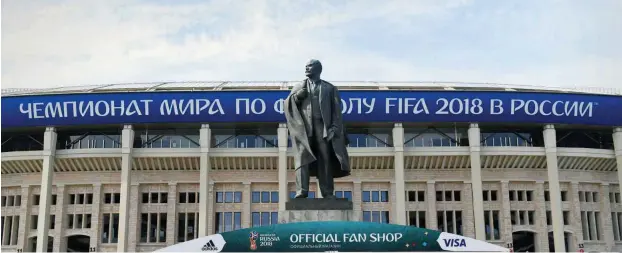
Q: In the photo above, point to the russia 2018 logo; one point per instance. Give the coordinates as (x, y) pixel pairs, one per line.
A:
(253, 239)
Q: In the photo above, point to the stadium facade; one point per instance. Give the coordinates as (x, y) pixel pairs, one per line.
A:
(137, 167)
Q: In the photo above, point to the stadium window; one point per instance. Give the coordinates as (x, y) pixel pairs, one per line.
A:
(366, 197)
(376, 216)
(616, 218)
(35, 199)
(590, 223)
(491, 223)
(256, 197)
(34, 220)
(416, 218)
(228, 221)
(274, 197)
(450, 221)
(344, 194)
(265, 197)
(153, 227)
(375, 196)
(237, 197)
(415, 196)
(110, 228)
(10, 225)
(52, 221)
(187, 226)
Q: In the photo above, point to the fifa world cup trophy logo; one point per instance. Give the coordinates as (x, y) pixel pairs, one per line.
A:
(253, 239)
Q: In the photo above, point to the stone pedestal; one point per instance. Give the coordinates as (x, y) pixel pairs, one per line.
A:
(301, 210)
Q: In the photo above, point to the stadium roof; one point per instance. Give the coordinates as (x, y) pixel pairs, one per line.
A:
(278, 85)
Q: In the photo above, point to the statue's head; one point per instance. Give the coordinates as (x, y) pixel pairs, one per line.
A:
(313, 69)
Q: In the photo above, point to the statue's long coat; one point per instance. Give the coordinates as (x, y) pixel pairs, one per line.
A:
(330, 103)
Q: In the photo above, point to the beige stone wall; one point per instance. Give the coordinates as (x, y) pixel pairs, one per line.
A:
(174, 182)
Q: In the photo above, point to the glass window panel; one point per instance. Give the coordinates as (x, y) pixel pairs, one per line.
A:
(256, 219)
(106, 228)
(339, 194)
(228, 221)
(375, 196)
(375, 216)
(144, 223)
(237, 197)
(367, 216)
(265, 218)
(181, 226)
(384, 196)
(153, 226)
(256, 197)
(275, 218)
(219, 222)
(192, 197)
(275, 197)
(237, 220)
(115, 228)
(265, 197)
(366, 196)
(228, 198)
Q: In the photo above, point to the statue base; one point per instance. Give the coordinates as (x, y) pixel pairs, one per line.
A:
(307, 209)
(291, 216)
(319, 204)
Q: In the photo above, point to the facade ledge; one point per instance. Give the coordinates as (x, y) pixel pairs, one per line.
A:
(371, 151)
(165, 152)
(88, 153)
(22, 155)
(586, 152)
(437, 151)
(244, 152)
(530, 151)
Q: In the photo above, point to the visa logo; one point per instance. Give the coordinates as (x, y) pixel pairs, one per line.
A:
(454, 242)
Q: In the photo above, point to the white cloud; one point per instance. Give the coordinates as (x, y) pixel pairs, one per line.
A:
(60, 43)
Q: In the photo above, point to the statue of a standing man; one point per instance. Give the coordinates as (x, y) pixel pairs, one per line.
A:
(314, 120)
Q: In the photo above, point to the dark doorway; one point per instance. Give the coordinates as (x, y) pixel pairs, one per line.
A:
(32, 243)
(567, 239)
(78, 243)
(524, 241)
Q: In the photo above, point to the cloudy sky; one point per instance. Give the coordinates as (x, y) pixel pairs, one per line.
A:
(47, 43)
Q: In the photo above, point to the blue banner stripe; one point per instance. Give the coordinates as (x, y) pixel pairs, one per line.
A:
(266, 106)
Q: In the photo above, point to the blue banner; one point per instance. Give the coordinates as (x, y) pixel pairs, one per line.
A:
(335, 236)
(267, 106)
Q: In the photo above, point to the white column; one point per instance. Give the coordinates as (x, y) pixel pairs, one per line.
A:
(476, 182)
(205, 166)
(605, 217)
(400, 185)
(575, 213)
(127, 143)
(617, 143)
(96, 216)
(171, 213)
(49, 154)
(431, 218)
(357, 195)
(60, 244)
(506, 222)
(246, 208)
(210, 210)
(550, 147)
(24, 219)
(282, 143)
(542, 229)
